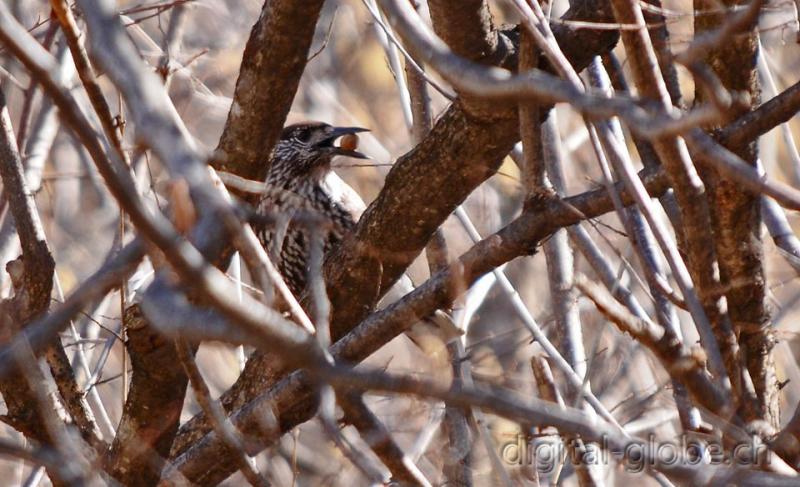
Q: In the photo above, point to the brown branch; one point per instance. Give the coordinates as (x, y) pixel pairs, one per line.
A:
(694, 208)
(380, 440)
(461, 151)
(38, 264)
(73, 396)
(659, 34)
(266, 85)
(107, 278)
(87, 75)
(537, 86)
(32, 277)
(531, 413)
(758, 122)
(467, 27)
(154, 121)
(728, 44)
(212, 409)
(122, 188)
(273, 61)
(533, 173)
(716, 33)
(158, 125)
(144, 436)
(676, 358)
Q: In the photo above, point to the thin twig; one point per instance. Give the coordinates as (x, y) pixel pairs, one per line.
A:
(219, 420)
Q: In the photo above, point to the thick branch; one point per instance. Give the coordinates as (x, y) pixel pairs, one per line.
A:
(758, 122)
(32, 278)
(689, 194)
(466, 26)
(273, 61)
(735, 212)
(144, 436)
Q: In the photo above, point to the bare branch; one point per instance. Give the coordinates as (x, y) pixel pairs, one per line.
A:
(143, 437)
(695, 215)
(380, 440)
(86, 73)
(33, 282)
(676, 358)
(273, 62)
(222, 425)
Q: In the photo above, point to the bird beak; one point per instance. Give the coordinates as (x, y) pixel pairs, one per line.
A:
(337, 132)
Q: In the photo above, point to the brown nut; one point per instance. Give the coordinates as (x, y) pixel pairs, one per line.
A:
(349, 142)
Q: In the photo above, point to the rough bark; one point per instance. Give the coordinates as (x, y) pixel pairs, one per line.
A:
(32, 278)
(153, 408)
(273, 62)
(467, 27)
(463, 149)
(690, 195)
(736, 217)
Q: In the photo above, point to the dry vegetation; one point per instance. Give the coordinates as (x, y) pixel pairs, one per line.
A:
(605, 312)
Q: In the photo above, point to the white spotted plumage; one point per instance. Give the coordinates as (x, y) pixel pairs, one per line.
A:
(301, 174)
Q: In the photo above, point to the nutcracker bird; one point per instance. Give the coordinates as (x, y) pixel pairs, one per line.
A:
(300, 170)
(302, 179)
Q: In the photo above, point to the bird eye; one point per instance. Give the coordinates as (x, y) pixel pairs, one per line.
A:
(304, 136)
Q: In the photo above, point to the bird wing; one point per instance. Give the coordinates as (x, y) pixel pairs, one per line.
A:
(343, 195)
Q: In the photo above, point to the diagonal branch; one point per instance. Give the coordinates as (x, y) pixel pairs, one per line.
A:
(273, 61)
(695, 213)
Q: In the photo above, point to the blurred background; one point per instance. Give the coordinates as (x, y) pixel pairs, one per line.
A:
(352, 80)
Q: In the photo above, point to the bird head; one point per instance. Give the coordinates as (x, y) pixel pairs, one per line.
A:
(307, 149)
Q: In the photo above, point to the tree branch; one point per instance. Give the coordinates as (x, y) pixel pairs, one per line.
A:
(273, 61)
(32, 277)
